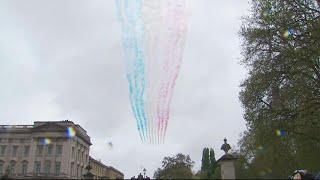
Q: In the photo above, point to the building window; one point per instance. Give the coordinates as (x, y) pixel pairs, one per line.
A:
(57, 168)
(82, 156)
(77, 171)
(47, 167)
(39, 150)
(78, 156)
(37, 167)
(12, 168)
(24, 168)
(14, 151)
(72, 152)
(1, 168)
(3, 150)
(71, 169)
(26, 151)
(49, 150)
(58, 150)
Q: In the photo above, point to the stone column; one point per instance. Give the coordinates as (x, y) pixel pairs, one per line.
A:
(226, 163)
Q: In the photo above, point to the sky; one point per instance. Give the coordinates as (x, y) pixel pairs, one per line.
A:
(64, 60)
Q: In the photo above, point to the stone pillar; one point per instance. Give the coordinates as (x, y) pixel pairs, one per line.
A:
(226, 163)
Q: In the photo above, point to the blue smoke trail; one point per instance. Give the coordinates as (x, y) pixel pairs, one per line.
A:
(133, 33)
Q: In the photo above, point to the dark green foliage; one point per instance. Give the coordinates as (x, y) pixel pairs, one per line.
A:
(205, 159)
(209, 164)
(213, 163)
(281, 96)
(176, 167)
(197, 175)
(217, 173)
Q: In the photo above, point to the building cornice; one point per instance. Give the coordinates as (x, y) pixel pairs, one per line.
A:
(47, 126)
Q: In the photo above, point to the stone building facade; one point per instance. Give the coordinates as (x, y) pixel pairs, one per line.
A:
(101, 171)
(58, 149)
(98, 168)
(113, 173)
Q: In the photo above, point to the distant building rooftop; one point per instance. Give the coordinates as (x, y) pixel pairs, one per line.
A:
(37, 124)
(105, 166)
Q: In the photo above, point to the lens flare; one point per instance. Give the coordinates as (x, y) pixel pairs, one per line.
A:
(266, 13)
(288, 33)
(262, 173)
(45, 141)
(269, 170)
(71, 132)
(280, 133)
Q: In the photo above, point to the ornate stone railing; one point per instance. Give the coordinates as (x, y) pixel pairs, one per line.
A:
(15, 126)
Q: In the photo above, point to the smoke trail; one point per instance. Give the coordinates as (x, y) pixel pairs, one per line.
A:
(132, 27)
(176, 32)
(153, 39)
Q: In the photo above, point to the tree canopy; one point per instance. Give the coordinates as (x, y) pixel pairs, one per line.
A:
(175, 167)
(281, 96)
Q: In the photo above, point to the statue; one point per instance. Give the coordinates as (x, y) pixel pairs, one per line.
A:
(140, 176)
(225, 147)
(226, 162)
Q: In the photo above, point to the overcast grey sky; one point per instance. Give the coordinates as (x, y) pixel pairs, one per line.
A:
(63, 59)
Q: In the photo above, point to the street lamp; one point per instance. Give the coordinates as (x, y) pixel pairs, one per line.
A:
(144, 172)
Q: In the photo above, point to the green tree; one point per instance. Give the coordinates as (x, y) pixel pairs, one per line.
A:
(217, 173)
(175, 167)
(205, 162)
(197, 175)
(281, 95)
(213, 163)
(242, 166)
(208, 164)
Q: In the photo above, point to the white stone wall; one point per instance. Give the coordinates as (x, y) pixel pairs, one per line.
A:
(227, 170)
(24, 136)
(10, 140)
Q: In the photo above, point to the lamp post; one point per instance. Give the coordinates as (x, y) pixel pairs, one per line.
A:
(144, 172)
